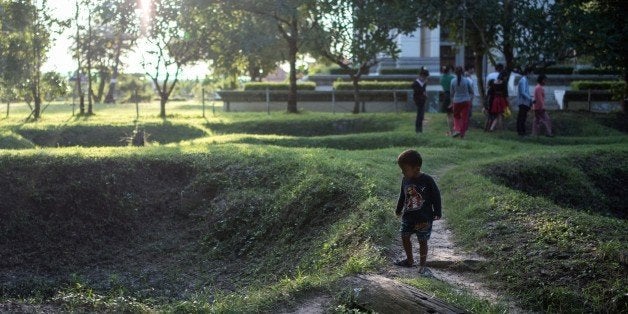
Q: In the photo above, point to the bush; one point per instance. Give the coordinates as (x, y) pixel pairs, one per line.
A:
(340, 71)
(598, 71)
(617, 88)
(278, 86)
(555, 70)
(399, 71)
(373, 85)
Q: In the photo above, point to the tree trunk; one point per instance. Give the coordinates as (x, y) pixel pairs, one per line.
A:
(378, 294)
(508, 35)
(479, 71)
(356, 93)
(109, 99)
(103, 75)
(293, 49)
(79, 89)
(162, 105)
(36, 97)
(90, 108)
(8, 107)
(36, 84)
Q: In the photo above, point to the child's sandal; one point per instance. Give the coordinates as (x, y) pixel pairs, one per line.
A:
(403, 263)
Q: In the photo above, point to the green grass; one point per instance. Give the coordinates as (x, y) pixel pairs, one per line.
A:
(249, 212)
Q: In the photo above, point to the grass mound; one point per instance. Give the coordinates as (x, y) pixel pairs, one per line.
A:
(595, 181)
(98, 135)
(306, 126)
(366, 141)
(10, 140)
(554, 258)
(166, 225)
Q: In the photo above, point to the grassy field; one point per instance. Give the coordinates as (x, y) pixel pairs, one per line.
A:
(242, 212)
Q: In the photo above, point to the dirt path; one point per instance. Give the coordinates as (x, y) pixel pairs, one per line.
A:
(448, 263)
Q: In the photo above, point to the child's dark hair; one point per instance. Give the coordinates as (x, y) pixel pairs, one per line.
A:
(424, 72)
(459, 74)
(541, 78)
(410, 157)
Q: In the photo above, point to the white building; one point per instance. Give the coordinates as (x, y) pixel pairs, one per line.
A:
(426, 47)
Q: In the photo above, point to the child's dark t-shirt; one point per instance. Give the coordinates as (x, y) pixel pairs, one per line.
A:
(419, 199)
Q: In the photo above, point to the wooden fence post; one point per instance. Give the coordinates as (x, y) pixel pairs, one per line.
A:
(203, 100)
(267, 101)
(333, 100)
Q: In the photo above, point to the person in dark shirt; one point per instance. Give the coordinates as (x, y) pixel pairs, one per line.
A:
(419, 86)
(419, 205)
(499, 100)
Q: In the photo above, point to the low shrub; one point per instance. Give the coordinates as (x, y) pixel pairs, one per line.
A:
(373, 85)
(617, 88)
(555, 70)
(340, 71)
(399, 71)
(599, 71)
(278, 86)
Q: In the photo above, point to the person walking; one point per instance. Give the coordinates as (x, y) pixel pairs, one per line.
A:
(469, 74)
(499, 101)
(499, 68)
(445, 82)
(461, 95)
(419, 86)
(540, 115)
(524, 100)
(418, 206)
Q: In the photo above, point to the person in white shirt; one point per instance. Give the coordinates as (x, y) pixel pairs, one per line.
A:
(524, 100)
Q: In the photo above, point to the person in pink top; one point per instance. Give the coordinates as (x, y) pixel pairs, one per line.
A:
(538, 106)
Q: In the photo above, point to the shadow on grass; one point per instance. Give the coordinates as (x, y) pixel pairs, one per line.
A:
(106, 135)
(306, 127)
(598, 177)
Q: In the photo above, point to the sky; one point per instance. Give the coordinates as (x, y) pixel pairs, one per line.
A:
(60, 58)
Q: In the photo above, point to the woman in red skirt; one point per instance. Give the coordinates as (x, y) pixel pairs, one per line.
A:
(499, 100)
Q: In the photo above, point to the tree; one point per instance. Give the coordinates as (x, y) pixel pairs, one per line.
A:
(53, 86)
(117, 32)
(78, 55)
(524, 32)
(598, 29)
(292, 19)
(171, 49)
(14, 21)
(38, 33)
(353, 33)
(237, 42)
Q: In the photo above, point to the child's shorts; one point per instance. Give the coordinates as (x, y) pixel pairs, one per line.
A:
(423, 230)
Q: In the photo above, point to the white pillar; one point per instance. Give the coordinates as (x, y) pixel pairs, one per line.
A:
(410, 45)
(435, 42)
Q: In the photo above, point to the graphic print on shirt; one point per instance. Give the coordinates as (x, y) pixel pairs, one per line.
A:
(414, 200)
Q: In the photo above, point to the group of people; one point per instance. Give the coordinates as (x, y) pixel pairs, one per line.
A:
(419, 202)
(460, 89)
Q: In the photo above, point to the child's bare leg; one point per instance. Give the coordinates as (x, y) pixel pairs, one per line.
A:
(422, 253)
(407, 246)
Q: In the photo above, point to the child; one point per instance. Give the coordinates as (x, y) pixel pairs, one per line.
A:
(418, 205)
(540, 115)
